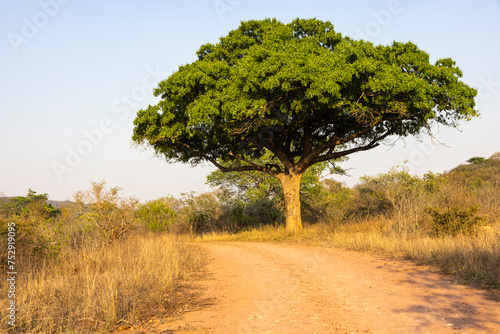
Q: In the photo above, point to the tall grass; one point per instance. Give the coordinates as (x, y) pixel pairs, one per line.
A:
(472, 259)
(93, 287)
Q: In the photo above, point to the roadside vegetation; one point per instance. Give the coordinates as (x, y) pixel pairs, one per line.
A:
(101, 261)
(450, 220)
(96, 263)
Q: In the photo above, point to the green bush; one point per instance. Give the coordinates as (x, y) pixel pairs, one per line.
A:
(157, 215)
(333, 203)
(201, 211)
(261, 211)
(38, 233)
(455, 220)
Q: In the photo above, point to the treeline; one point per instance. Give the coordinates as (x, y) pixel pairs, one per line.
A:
(455, 202)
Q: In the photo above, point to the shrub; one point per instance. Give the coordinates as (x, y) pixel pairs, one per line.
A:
(37, 230)
(157, 215)
(332, 203)
(396, 194)
(261, 211)
(105, 209)
(455, 220)
(201, 211)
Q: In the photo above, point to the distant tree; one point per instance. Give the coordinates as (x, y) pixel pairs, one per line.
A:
(246, 186)
(280, 98)
(326, 200)
(32, 205)
(477, 160)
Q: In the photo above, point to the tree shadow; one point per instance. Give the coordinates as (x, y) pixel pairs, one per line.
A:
(193, 292)
(465, 307)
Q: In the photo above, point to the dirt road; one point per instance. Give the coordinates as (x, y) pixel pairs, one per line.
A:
(270, 288)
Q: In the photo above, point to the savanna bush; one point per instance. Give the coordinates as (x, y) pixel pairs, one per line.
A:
(455, 220)
(201, 212)
(258, 212)
(157, 215)
(82, 269)
(106, 210)
(332, 203)
(38, 231)
(396, 194)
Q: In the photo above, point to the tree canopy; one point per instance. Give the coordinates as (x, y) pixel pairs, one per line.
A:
(279, 98)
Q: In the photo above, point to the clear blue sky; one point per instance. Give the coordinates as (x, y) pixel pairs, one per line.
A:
(74, 73)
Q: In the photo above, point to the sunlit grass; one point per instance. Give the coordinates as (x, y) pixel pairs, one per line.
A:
(132, 279)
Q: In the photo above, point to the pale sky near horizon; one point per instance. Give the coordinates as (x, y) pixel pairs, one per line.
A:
(74, 73)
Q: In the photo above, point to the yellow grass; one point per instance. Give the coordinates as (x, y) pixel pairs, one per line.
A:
(129, 280)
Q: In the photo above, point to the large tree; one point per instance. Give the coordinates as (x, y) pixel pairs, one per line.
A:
(279, 98)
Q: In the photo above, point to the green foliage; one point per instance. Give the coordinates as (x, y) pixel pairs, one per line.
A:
(202, 211)
(260, 212)
(30, 206)
(158, 214)
(332, 203)
(455, 220)
(37, 232)
(433, 182)
(246, 186)
(238, 216)
(477, 160)
(297, 90)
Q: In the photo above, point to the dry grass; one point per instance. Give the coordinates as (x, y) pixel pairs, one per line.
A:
(472, 259)
(88, 288)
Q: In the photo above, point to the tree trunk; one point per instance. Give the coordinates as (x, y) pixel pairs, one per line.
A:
(291, 190)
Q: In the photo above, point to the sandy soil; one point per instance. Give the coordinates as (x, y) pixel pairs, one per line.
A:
(270, 288)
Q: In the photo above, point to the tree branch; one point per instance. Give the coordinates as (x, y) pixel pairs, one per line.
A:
(274, 149)
(251, 167)
(331, 143)
(335, 155)
(307, 138)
